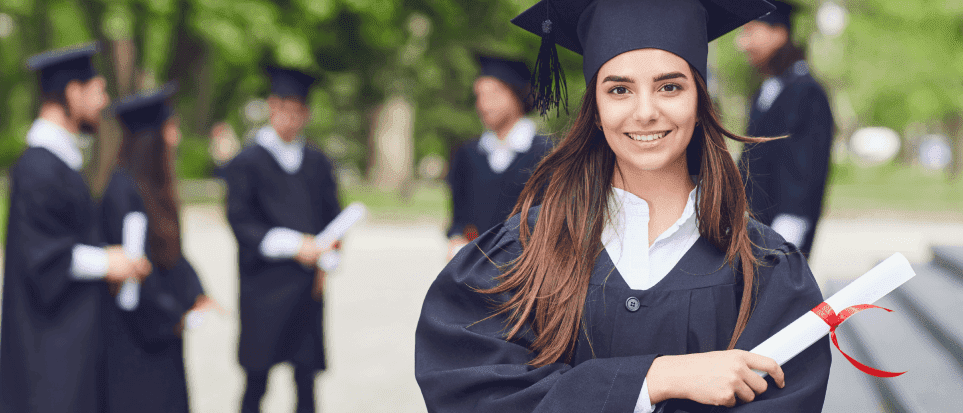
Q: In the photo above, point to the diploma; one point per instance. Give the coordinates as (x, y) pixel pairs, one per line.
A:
(806, 330)
(335, 231)
(133, 239)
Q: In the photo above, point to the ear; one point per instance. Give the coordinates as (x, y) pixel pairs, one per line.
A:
(73, 93)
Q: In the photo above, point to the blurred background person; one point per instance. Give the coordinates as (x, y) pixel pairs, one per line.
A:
(487, 174)
(785, 179)
(145, 354)
(281, 193)
(54, 294)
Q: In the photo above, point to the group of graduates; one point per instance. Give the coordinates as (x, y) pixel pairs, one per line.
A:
(582, 272)
(97, 295)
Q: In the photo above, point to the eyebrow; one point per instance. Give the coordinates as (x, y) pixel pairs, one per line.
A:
(659, 78)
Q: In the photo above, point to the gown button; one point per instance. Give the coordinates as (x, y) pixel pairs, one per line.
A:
(632, 304)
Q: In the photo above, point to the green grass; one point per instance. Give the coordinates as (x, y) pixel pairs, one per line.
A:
(423, 199)
(893, 187)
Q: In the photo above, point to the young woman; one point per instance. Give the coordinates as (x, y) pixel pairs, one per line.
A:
(145, 357)
(635, 279)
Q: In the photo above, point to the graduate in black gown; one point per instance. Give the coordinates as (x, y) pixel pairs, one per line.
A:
(145, 350)
(54, 290)
(281, 194)
(487, 174)
(631, 278)
(785, 179)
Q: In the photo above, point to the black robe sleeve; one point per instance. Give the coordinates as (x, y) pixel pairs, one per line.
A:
(457, 182)
(47, 237)
(330, 206)
(249, 229)
(464, 364)
(805, 154)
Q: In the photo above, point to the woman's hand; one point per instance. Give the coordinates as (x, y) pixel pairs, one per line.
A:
(716, 378)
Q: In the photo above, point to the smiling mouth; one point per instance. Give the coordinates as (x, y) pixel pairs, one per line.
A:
(639, 137)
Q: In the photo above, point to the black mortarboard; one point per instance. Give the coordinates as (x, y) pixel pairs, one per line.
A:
(602, 29)
(146, 110)
(781, 16)
(514, 74)
(58, 67)
(290, 83)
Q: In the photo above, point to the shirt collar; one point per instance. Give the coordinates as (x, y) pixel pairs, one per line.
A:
(518, 140)
(59, 141)
(287, 154)
(624, 205)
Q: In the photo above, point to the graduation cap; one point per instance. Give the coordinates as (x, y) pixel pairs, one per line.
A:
(290, 83)
(782, 16)
(146, 110)
(58, 67)
(514, 74)
(602, 29)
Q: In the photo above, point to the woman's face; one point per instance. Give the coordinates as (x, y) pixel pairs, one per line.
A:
(647, 104)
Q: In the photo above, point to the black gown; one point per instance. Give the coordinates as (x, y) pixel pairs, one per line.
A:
(481, 197)
(788, 176)
(280, 321)
(464, 364)
(51, 339)
(145, 354)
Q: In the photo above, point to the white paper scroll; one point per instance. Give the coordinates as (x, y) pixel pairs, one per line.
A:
(133, 237)
(806, 330)
(335, 231)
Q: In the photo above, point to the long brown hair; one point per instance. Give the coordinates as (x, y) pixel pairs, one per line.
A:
(147, 157)
(549, 281)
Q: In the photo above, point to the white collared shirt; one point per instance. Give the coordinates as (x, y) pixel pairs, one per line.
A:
(59, 141)
(501, 153)
(87, 263)
(288, 154)
(626, 240)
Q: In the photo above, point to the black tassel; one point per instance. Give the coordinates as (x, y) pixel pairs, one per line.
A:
(548, 80)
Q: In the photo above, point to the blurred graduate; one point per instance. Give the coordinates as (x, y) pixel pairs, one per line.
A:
(630, 278)
(487, 174)
(55, 294)
(145, 355)
(785, 179)
(281, 194)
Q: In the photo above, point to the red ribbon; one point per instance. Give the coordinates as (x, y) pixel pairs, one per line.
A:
(826, 313)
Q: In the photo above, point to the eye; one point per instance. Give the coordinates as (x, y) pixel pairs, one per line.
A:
(671, 87)
(619, 90)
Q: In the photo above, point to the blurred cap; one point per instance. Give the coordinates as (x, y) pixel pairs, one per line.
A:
(146, 110)
(58, 67)
(513, 73)
(602, 29)
(288, 83)
(782, 16)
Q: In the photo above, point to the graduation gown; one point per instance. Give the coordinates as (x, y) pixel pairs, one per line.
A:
(788, 176)
(280, 321)
(464, 364)
(51, 334)
(483, 197)
(145, 353)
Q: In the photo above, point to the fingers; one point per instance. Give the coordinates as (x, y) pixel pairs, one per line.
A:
(754, 381)
(768, 365)
(744, 392)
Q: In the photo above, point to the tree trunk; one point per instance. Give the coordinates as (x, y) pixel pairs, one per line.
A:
(393, 146)
(954, 126)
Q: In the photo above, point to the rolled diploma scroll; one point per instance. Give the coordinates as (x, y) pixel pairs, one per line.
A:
(133, 238)
(336, 230)
(806, 330)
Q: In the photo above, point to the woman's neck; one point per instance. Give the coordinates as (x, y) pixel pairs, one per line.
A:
(666, 191)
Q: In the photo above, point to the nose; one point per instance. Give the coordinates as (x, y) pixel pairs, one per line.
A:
(646, 110)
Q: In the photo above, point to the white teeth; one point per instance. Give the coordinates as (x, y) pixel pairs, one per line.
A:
(646, 138)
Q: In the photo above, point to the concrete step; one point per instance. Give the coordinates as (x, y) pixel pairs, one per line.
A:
(949, 257)
(899, 341)
(935, 298)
